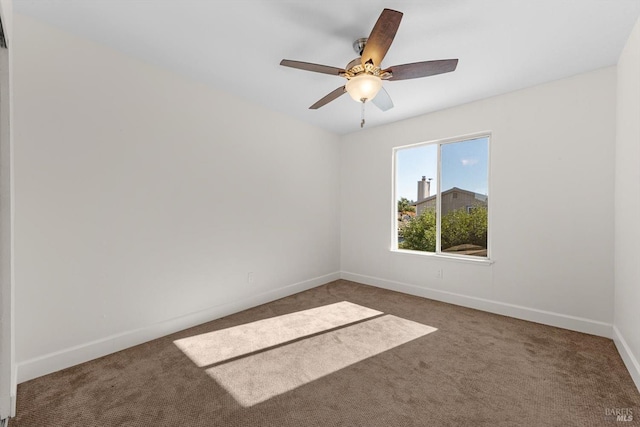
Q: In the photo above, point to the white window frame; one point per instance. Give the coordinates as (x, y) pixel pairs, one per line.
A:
(394, 204)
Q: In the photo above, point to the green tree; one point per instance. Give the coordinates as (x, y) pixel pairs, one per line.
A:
(420, 233)
(457, 228)
(454, 228)
(405, 205)
(478, 226)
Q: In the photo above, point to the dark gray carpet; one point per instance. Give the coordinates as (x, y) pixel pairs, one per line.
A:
(477, 369)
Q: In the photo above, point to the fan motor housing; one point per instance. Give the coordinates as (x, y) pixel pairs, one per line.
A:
(359, 45)
(355, 68)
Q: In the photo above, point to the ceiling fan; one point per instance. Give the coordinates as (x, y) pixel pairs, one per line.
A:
(364, 74)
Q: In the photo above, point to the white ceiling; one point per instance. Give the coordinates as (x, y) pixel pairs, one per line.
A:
(236, 46)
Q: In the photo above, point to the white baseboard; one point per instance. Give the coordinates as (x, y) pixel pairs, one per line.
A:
(564, 321)
(53, 362)
(629, 359)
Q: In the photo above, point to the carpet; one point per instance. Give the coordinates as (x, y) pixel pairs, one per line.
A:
(477, 369)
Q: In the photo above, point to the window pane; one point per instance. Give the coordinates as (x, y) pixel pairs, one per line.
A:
(464, 197)
(416, 186)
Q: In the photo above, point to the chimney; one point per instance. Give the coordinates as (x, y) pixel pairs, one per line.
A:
(424, 188)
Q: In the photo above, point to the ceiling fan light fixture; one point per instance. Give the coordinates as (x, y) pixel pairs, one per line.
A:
(363, 87)
(365, 74)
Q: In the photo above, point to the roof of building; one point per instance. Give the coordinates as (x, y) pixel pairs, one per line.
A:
(481, 197)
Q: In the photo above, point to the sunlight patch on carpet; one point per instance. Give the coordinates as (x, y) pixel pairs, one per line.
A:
(218, 346)
(256, 378)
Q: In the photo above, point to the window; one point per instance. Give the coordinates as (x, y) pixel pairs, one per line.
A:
(441, 195)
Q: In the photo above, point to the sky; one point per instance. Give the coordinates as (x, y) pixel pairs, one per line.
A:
(464, 165)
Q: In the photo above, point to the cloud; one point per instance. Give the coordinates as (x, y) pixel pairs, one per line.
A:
(468, 162)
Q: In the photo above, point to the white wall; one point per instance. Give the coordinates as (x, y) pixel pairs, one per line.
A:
(627, 207)
(143, 201)
(551, 201)
(7, 380)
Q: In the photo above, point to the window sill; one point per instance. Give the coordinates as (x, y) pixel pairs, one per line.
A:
(461, 259)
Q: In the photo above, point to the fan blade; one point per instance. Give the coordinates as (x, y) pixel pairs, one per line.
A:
(330, 97)
(382, 100)
(381, 36)
(421, 69)
(316, 68)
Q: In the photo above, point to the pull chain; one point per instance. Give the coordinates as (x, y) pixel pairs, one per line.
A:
(362, 113)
